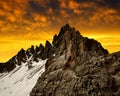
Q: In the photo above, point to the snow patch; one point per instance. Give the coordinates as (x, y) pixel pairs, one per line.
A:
(21, 80)
(39, 52)
(54, 55)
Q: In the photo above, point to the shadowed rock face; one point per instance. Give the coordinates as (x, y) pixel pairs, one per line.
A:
(11, 64)
(79, 67)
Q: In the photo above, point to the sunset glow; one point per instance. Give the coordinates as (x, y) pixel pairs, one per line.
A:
(30, 22)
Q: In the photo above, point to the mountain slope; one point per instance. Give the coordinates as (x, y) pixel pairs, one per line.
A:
(79, 67)
(21, 80)
(98, 76)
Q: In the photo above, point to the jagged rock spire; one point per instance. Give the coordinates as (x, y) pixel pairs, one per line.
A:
(67, 28)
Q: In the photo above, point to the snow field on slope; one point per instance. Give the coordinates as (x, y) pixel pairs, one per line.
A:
(21, 80)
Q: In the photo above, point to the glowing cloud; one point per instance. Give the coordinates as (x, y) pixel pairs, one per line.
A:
(41, 19)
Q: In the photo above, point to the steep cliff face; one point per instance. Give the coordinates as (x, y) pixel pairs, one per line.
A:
(70, 44)
(79, 66)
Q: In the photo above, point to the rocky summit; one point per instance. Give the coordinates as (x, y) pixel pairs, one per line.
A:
(75, 66)
(79, 66)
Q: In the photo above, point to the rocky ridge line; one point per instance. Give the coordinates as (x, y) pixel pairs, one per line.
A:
(29, 55)
(79, 67)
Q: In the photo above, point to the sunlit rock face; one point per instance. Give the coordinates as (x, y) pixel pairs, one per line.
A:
(79, 66)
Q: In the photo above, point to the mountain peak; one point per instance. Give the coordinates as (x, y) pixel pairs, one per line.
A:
(71, 43)
(78, 66)
(68, 41)
(67, 28)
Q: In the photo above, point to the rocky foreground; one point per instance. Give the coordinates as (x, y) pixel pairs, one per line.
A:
(79, 67)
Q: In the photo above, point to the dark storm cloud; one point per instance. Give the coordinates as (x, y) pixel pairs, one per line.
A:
(115, 4)
(53, 4)
(39, 6)
(34, 6)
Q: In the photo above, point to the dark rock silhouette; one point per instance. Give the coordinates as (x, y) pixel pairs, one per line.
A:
(47, 50)
(30, 55)
(16, 60)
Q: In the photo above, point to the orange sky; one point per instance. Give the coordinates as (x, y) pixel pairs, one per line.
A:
(30, 22)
